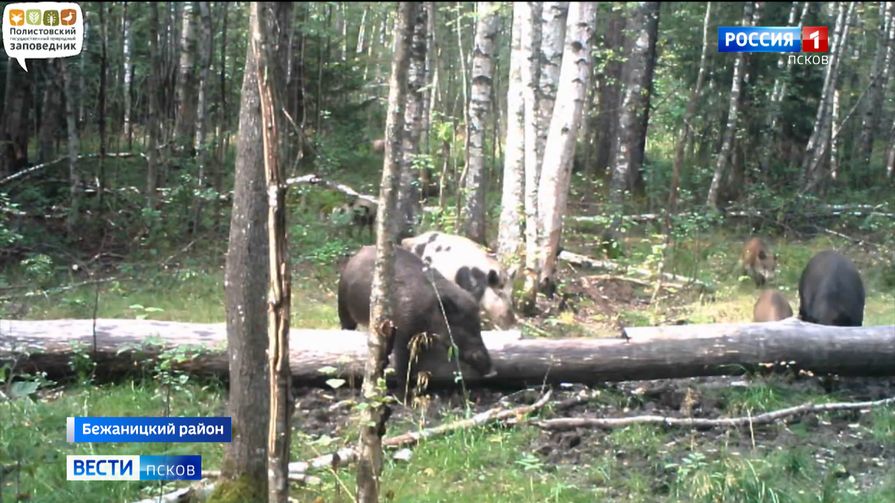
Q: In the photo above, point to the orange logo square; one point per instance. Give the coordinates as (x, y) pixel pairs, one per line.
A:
(69, 16)
(16, 17)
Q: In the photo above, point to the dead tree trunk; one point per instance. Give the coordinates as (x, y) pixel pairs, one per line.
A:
(472, 213)
(553, 189)
(373, 418)
(269, 32)
(648, 353)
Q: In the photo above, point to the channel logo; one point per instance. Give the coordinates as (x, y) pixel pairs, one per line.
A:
(93, 467)
(773, 39)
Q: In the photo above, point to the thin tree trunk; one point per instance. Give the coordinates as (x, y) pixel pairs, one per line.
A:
(531, 69)
(223, 118)
(880, 73)
(736, 86)
(812, 167)
(361, 30)
(185, 91)
(246, 282)
(74, 177)
(465, 85)
(512, 205)
(101, 105)
(374, 416)
(559, 151)
(269, 42)
(128, 77)
(408, 204)
(472, 213)
(205, 54)
(778, 93)
(82, 61)
(430, 79)
(686, 126)
(154, 110)
(553, 32)
(834, 141)
(50, 114)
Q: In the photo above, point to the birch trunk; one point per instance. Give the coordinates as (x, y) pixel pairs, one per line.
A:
(205, 50)
(553, 35)
(880, 73)
(531, 70)
(373, 417)
(101, 105)
(472, 213)
(409, 208)
(185, 90)
(722, 165)
(127, 79)
(815, 152)
(512, 206)
(559, 151)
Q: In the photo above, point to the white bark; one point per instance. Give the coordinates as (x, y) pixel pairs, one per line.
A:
(472, 214)
(531, 48)
(127, 76)
(553, 36)
(560, 148)
(812, 172)
(733, 107)
(512, 204)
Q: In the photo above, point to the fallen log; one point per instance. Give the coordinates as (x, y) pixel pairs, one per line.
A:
(823, 210)
(126, 346)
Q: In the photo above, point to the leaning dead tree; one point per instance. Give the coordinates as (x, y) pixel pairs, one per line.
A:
(126, 346)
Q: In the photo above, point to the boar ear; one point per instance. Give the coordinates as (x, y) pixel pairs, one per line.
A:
(471, 280)
(493, 278)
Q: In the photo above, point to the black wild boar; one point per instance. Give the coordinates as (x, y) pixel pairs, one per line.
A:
(831, 291)
(363, 214)
(417, 309)
(771, 306)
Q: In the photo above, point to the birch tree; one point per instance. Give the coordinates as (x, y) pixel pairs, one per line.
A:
(722, 165)
(511, 203)
(185, 90)
(560, 148)
(204, 52)
(127, 77)
(815, 152)
(375, 414)
(880, 73)
(409, 189)
(154, 112)
(472, 213)
(531, 68)
(553, 35)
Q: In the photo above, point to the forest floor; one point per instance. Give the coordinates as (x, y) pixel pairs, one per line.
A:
(840, 456)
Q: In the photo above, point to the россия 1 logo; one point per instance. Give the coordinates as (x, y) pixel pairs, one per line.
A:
(773, 39)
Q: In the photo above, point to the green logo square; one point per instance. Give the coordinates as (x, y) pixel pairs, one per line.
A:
(32, 16)
(51, 18)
